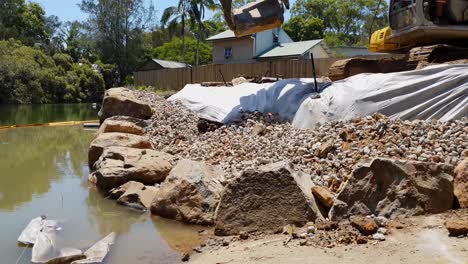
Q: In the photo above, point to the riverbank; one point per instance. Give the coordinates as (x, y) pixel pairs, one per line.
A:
(260, 176)
(421, 239)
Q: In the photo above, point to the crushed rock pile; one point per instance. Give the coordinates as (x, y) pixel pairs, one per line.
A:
(328, 153)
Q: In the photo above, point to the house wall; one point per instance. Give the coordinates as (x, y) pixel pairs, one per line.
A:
(319, 53)
(264, 40)
(242, 50)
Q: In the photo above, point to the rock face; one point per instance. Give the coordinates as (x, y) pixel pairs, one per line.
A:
(123, 124)
(460, 183)
(134, 195)
(266, 199)
(119, 165)
(393, 188)
(114, 139)
(190, 193)
(123, 102)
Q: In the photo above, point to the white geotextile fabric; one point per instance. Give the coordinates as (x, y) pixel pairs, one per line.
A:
(436, 92)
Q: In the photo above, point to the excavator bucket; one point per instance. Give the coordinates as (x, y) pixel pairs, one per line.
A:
(254, 17)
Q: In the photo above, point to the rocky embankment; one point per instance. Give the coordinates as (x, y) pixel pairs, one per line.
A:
(260, 175)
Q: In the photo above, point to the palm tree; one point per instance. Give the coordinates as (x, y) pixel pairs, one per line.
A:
(197, 14)
(174, 15)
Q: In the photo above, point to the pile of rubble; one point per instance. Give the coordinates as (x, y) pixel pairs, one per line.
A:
(328, 153)
(259, 174)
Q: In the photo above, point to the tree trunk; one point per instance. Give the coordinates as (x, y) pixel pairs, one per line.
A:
(183, 34)
(198, 44)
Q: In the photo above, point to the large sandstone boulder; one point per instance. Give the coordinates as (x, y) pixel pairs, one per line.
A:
(123, 102)
(106, 140)
(119, 165)
(460, 183)
(190, 193)
(394, 188)
(123, 124)
(266, 199)
(134, 195)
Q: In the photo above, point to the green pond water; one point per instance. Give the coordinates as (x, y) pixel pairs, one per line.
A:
(43, 171)
(45, 113)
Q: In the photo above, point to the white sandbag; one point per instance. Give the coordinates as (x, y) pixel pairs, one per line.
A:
(436, 92)
(46, 249)
(30, 233)
(224, 104)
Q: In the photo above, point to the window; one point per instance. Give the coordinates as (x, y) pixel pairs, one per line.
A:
(227, 53)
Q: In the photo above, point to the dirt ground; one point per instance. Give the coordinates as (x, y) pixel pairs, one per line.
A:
(421, 240)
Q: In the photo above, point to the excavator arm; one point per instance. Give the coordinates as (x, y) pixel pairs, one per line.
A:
(254, 17)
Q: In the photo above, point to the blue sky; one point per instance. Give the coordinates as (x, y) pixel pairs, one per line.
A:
(68, 10)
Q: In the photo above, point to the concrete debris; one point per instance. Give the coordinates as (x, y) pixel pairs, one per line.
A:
(98, 252)
(382, 221)
(378, 236)
(237, 147)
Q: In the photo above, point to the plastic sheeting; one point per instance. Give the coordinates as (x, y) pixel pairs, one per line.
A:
(224, 104)
(436, 92)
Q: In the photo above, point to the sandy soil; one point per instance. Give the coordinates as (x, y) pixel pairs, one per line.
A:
(422, 240)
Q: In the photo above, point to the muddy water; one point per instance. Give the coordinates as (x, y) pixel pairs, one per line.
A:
(43, 171)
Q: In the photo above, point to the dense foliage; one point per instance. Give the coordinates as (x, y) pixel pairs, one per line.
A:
(345, 22)
(171, 51)
(28, 75)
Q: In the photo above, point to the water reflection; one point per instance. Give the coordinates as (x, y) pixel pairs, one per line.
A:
(44, 113)
(109, 216)
(30, 158)
(43, 171)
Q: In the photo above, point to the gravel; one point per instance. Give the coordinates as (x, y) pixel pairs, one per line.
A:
(328, 153)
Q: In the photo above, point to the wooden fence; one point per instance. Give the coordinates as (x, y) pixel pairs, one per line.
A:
(176, 79)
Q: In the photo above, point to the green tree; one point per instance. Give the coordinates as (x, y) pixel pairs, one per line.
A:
(300, 29)
(348, 21)
(171, 51)
(78, 43)
(197, 12)
(23, 21)
(29, 75)
(175, 15)
(118, 28)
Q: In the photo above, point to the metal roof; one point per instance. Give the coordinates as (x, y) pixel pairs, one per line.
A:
(290, 49)
(170, 64)
(223, 35)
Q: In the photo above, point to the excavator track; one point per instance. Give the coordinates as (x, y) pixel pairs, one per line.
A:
(416, 58)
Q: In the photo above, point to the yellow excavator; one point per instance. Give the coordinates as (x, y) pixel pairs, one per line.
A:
(421, 30)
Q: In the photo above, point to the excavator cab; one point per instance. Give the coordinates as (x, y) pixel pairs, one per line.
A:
(254, 17)
(422, 22)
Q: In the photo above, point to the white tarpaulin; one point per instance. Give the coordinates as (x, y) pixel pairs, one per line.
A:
(437, 92)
